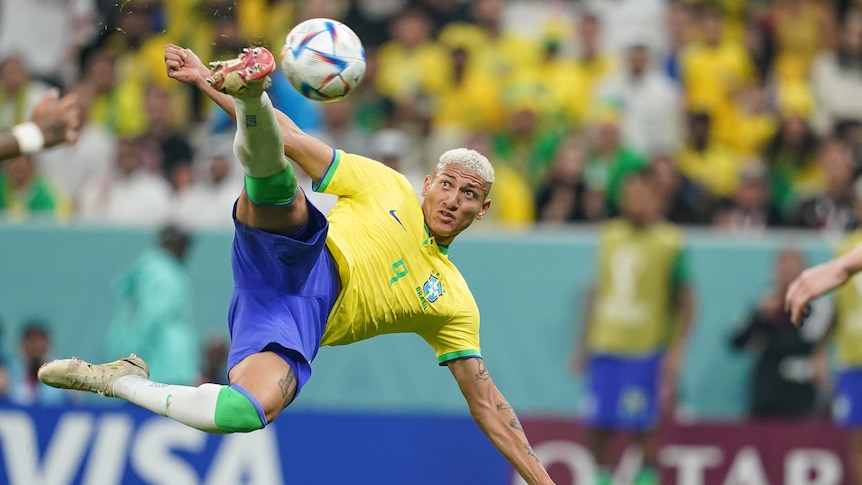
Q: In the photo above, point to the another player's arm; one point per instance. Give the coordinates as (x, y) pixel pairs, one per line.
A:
(820, 279)
(312, 155)
(52, 121)
(496, 418)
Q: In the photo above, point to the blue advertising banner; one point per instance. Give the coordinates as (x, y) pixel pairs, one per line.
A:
(112, 445)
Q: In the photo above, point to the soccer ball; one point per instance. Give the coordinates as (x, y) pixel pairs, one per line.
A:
(323, 59)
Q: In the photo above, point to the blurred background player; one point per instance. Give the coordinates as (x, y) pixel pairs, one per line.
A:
(636, 328)
(154, 314)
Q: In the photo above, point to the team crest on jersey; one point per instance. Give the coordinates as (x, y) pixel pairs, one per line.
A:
(431, 290)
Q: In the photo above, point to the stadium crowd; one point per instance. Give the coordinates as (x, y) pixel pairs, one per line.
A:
(748, 112)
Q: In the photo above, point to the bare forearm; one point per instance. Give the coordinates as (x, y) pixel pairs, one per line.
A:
(501, 425)
(9, 147)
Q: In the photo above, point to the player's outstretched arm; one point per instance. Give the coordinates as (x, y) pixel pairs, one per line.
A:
(820, 279)
(54, 120)
(311, 154)
(497, 419)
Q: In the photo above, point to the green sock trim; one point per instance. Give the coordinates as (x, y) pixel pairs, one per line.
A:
(276, 189)
(234, 413)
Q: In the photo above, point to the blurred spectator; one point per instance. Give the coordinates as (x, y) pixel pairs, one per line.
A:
(512, 194)
(26, 193)
(393, 147)
(412, 66)
(154, 312)
(214, 367)
(369, 18)
(678, 25)
(833, 210)
(126, 194)
(561, 197)
(164, 145)
(18, 92)
(836, 79)
(650, 104)
(114, 102)
(684, 202)
(635, 329)
(754, 122)
(626, 20)
(471, 100)
(749, 210)
(609, 162)
(34, 350)
(706, 161)
(591, 64)
(784, 382)
(48, 35)
(791, 156)
(499, 51)
(759, 41)
(801, 29)
(714, 69)
(215, 185)
(72, 166)
(445, 12)
(525, 145)
(339, 131)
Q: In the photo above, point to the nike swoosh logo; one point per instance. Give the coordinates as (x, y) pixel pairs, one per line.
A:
(392, 213)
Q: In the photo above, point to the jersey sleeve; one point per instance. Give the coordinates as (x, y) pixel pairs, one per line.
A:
(458, 338)
(350, 174)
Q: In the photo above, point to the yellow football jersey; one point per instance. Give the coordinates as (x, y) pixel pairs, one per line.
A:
(848, 311)
(394, 276)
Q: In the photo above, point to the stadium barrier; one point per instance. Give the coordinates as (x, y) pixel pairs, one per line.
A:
(125, 445)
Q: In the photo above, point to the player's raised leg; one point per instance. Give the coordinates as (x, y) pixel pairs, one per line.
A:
(271, 200)
(209, 407)
(265, 376)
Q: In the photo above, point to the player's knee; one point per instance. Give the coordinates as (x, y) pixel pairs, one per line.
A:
(238, 411)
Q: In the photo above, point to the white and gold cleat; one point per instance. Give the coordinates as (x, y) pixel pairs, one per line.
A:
(79, 375)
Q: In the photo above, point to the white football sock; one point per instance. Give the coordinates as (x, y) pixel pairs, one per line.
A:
(192, 406)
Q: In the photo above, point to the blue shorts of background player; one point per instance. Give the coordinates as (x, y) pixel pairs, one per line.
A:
(622, 392)
(284, 289)
(847, 405)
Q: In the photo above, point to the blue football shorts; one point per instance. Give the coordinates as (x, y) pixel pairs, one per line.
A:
(284, 289)
(622, 392)
(847, 403)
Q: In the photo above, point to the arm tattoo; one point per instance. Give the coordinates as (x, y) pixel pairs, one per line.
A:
(482, 375)
(287, 384)
(514, 423)
(530, 451)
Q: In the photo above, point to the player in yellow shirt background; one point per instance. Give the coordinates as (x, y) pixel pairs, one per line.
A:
(378, 264)
(636, 327)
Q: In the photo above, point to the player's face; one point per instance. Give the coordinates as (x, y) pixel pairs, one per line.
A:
(454, 198)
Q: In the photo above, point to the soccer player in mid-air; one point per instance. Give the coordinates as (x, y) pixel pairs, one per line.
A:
(378, 264)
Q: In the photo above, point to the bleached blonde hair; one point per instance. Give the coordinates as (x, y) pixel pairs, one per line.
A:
(469, 159)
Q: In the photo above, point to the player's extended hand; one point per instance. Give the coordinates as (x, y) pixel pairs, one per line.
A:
(58, 118)
(812, 283)
(184, 65)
